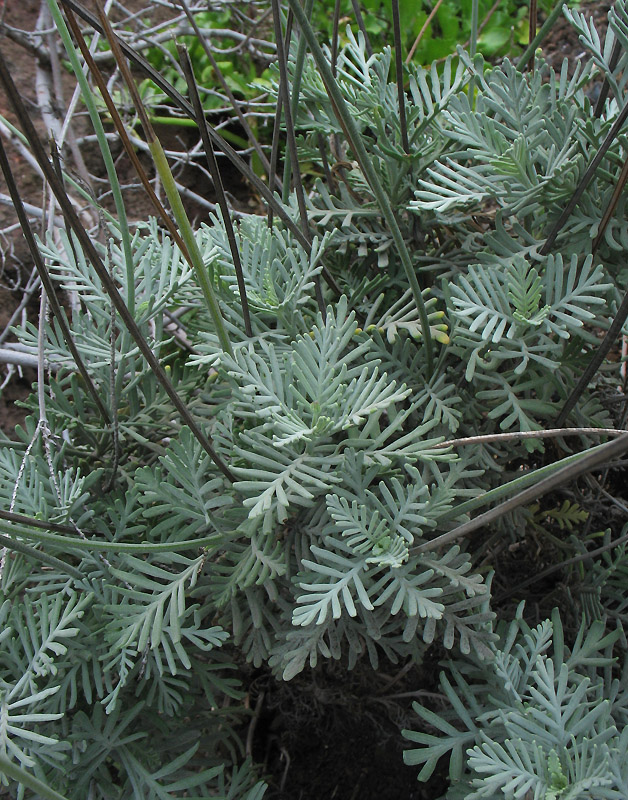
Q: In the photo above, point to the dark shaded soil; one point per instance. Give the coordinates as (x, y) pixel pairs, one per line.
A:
(563, 42)
(334, 733)
(347, 756)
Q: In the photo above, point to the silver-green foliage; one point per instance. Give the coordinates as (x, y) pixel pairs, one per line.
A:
(118, 684)
(541, 720)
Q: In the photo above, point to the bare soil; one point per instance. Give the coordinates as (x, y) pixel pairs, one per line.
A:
(15, 262)
(563, 42)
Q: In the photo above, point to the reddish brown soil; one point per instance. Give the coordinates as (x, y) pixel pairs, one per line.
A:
(15, 261)
(562, 41)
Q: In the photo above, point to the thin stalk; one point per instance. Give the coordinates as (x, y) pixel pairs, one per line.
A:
(588, 556)
(334, 37)
(421, 33)
(296, 89)
(121, 131)
(170, 188)
(532, 22)
(33, 283)
(488, 16)
(515, 436)
(585, 180)
(481, 26)
(225, 86)
(401, 95)
(329, 178)
(47, 283)
(274, 154)
(354, 137)
(473, 43)
(65, 130)
(38, 555)
(528, 53)
(517, 484)
(176, 97)
(360, 20)
(115, 381)
(67, 542)
(186, 65)
(615, 53)
(92, 254)
(32, 522)
(288, 180)
(56, 163)
(612, 205)
(284, 88)
(585, 463)
(103, 146)
(287, 177)
(276, 144)
(24, 778)
(243, 168)
(475, 19)
(174, 198)
(595, 363)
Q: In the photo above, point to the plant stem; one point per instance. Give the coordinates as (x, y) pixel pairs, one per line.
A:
(186, 65)
(102, 545)
(225, 87)
(355, 139)
(41, 556)
(528, 53)
(296, 88)
(170, 187)
(16, 773)
(473, 43)
(103, 146)
(551, 433)
(421, 33)
(570, 468)
(47, 283)
(401, 95)
(179, 101)
(92, 254)
(187, 234)
(596, 361)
